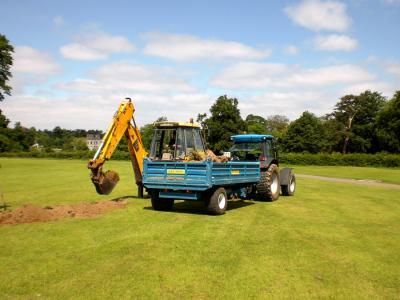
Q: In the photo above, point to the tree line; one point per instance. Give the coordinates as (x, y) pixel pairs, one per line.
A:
(364, 123)
(23, 139)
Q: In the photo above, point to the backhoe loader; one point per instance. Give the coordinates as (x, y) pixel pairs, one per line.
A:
(122, 124)
(171, 142)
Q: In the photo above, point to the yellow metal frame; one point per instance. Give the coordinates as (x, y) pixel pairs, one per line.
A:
(121, 125)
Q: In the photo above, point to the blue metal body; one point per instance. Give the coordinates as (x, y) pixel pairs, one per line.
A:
(251, 138)
(188, 180)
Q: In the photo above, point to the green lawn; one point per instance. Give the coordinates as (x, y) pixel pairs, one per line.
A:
(330, 240)
(380, 174)
(50, 181)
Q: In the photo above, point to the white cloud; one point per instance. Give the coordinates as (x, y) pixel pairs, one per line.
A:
(130, 77)
(393, 67)
(319, 15)
(291, 50)
(382, 87)
(58, 21)
(335, 42)
(263, 76)
(338, 74)
(290, 104)
(189, 48)
(81, 52)
(96, 111)
(249, 75)
(32, 61)
(96, 45)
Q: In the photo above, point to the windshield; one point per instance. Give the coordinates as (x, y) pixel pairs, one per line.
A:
(176, 143)
(246, 151)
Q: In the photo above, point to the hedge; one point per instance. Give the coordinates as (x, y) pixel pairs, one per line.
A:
(322, 159)
(338, 159)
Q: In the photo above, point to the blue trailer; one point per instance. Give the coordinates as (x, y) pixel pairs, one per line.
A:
(252, 172)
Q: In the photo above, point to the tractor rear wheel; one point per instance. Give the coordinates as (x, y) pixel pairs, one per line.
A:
(288, 190)
(217, 203)
(268, 188)
(160, 204)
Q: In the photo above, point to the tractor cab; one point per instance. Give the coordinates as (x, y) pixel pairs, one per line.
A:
(254, 147)
(176, 141)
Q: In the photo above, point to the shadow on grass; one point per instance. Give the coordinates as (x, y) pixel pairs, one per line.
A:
(197, 207)
(145, 197)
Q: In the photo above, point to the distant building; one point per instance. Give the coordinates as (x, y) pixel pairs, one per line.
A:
(93, 141)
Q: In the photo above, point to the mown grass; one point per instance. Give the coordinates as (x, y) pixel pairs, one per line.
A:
(50, 181)
(330, 240)
(369, 173)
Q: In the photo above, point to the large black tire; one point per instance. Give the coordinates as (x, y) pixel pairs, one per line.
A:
(268, 188)
(288, 190)
(160, 204)
(217, 203)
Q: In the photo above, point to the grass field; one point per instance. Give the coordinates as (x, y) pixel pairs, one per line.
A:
(330, 240)
(380, 174)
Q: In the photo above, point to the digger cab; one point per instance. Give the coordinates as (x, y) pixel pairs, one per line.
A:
(176, 141)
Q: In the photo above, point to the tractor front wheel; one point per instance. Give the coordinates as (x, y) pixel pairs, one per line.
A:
(268, 188)
(288, 190)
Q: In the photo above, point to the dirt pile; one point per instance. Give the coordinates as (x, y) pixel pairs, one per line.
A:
(30, 213)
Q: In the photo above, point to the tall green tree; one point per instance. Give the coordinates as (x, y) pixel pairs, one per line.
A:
(225, 120)
(306, 134)
(357, 116)
(6, 61)
(256, 124)
(277, 125)
(3, 120)
(388, 125)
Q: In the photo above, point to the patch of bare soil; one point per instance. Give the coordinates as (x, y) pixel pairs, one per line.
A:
(30, 213)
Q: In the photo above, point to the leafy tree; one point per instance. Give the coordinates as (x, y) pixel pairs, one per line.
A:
(357, 116)
(6, 61)
(79, 143)
(225, 120)
(256, 124)
(334, 134)
(3, 120)
(306, 134)
(277, 125)
(388, 125)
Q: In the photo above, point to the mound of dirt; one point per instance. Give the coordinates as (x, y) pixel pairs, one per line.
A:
(30, 213)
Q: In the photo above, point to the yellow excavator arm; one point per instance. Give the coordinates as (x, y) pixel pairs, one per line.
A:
(123, 124)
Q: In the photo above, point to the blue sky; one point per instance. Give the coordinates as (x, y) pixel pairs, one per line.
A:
(76, 60)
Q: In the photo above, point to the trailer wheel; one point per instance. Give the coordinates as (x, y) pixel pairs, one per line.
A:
(288, 190)
(268, 188)
(160, 204)
(217, 203)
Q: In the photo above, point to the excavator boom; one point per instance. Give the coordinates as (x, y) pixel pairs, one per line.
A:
(122, 124)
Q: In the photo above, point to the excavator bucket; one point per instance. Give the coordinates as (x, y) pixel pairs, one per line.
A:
(105, 182)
